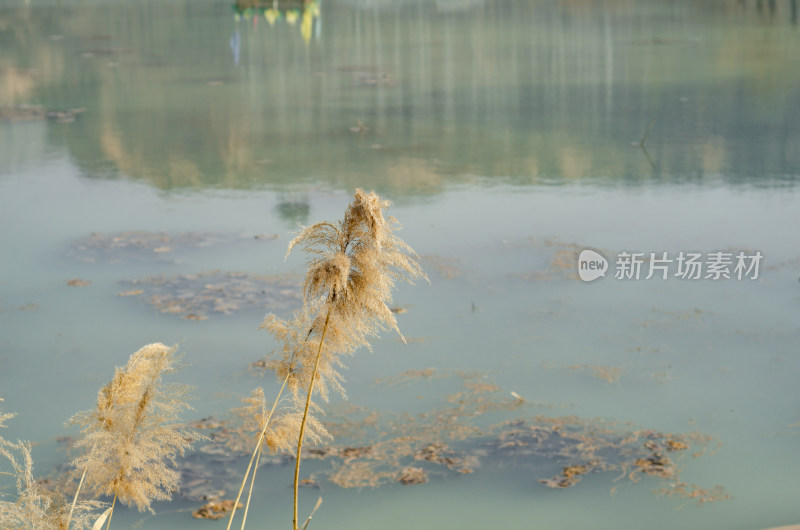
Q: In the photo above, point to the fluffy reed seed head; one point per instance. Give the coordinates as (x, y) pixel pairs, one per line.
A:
(4, 417)
(284, 426)
(36, 507)
(299, 337)
(133, 437)
(352, 269)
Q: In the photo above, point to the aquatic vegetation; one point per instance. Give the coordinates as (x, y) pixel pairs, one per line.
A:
(134, 444)
(447, 267)
(133, 437)
(214, 509)
(197, 296)
(478, 426)
(140, 245)
(609, 374)
(561, 259)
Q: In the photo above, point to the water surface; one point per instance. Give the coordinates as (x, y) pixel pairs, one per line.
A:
(508, 135)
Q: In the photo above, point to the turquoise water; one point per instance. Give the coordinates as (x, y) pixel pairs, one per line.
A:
(508, 136)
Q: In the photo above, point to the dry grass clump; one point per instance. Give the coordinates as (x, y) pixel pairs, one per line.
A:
(352, 268)
(133, 437)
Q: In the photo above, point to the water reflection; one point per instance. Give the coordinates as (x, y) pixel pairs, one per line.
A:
(308, 12)
(414, 96)
(235, 46)
(294, 208)
(770, 9)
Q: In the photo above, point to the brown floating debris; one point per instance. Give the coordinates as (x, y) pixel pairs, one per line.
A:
(570, 476)
(412, 475)
(408, 376)
(309, 483)
(359, 475)
(142, 245)
(209, 422)
(77, 282)
(609, 374)
(466, 429)
(559, 260)
(676, 445)
(197, 296)
(215, 509)
(135, 292)
(447, 268)
(351, 453)
(701, 495)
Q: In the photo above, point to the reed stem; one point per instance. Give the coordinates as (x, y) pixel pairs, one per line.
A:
(111, 514)
(256, 451)
(305, 416)
(252, 482)
(75, 499)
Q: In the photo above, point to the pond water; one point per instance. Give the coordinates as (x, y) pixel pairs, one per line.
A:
(508, 136)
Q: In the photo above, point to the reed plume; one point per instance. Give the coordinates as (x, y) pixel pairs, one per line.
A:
(133, 437)
(37, 508)
(352, 269)
(284, 428)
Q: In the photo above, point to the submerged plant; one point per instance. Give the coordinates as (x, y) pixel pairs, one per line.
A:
(133, 437)
(353, 267)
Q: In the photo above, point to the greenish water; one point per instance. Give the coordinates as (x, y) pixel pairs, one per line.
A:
(507, 135)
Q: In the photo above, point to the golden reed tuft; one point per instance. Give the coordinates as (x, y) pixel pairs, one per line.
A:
(35, 506)
(352, 269)
(133, 437)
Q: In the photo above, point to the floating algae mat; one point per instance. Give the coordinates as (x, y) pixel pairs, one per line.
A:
(476, 427)
(142, 245)
(197, 296)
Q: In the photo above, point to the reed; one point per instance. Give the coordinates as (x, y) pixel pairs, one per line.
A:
(132, 437)
(35, 506)
(352, 268)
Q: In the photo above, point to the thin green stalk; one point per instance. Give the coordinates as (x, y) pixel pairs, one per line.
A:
(256, 451)
(305, 416)
(252, 481)
(110, 515)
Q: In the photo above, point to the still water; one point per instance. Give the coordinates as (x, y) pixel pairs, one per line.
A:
(509, 136)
